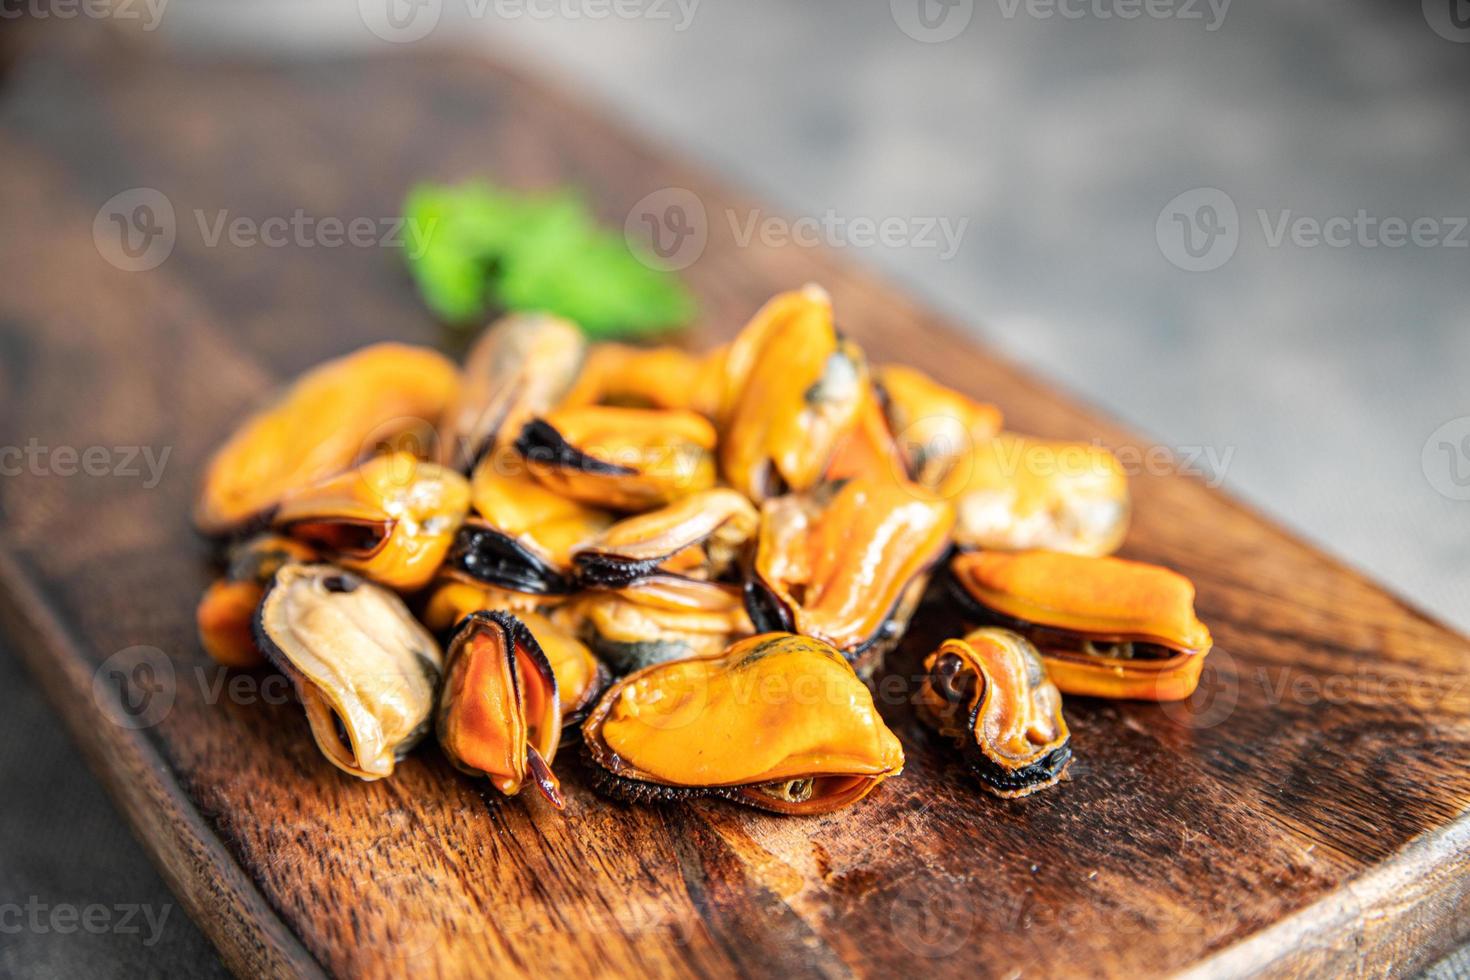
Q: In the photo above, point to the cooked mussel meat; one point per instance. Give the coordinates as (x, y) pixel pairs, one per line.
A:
(226, 613)
(989, 693)
(1105, 627)
(699, 536)
(867, 449)
(936, 428)
(364, 669)
(1022, 493)
(658, 619)
(392, 519)
(627, 459)
(329, 419)
(579, 674)
(847, 564)
(452, 597)
(638, 377)
(520, 367)
(777, 721)
(500, 714)
(796, 386)
(524, 534)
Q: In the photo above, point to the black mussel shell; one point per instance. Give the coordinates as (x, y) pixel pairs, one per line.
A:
(487, 555)
(541, 444)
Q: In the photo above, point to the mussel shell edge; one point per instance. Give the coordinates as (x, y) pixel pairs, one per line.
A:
(602, 571)
(486, 555)
(539, 443)
(1014, 783)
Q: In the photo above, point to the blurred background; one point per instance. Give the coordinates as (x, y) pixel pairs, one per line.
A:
(1239, 227)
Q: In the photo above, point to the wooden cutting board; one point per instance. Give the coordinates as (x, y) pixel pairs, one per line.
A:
(1305, 814)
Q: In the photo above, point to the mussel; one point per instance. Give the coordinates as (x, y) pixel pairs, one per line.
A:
(777, 721)
(327, 421)
(847, 564)
(795, 387)
(989, 693)
(580, 676)
(1021, 493)
(867, 449)
(638, 377)
(391, 519)
(936, 428)
(733, 362)
(1105, 627)
(226, 613)
(364, 669)
(500, 713)
(627, 459)
(698, 536)
(453, 596)
(485, 555)
(524, 534)
(520, 367)
(658, 619)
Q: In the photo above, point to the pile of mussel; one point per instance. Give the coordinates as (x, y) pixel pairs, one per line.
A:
(691, 565)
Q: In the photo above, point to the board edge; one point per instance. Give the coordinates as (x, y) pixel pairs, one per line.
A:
(216, 892)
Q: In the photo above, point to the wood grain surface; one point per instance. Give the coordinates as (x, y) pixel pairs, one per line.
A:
(1305, 814)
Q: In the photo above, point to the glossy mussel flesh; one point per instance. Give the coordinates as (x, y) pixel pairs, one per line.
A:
(627, 459)
(1105, 627)
(935, 428)
(657, 619)
(520, 367)
(989, 693)
(777, 721)
(365, 670)
(699, 536)
(847, 564)
(391, 519)
(500, 713)
(522, 534)
(795, 387)
(1016, 493)
(328, 420)
(580, 676)
(226, 613)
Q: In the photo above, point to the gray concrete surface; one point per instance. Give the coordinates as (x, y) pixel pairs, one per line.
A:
(1328, 380)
